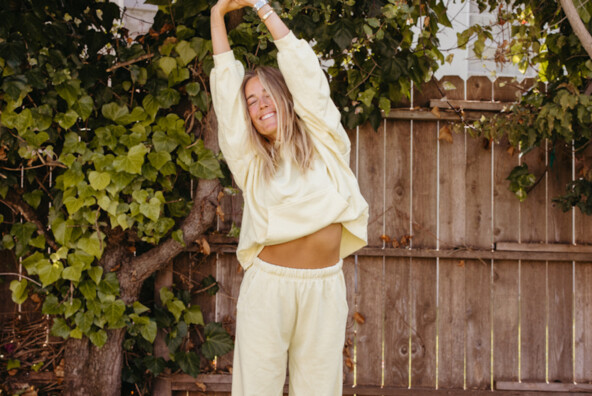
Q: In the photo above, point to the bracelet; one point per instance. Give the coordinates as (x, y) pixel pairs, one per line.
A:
(267, 14)
(259, 5)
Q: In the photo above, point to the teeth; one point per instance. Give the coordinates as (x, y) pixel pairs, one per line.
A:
(266, 116)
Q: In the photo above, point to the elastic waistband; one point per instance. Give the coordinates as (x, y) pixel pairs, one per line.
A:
(298, 272)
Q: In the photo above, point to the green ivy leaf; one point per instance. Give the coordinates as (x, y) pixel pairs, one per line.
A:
(88, 289)
(71, 307)
(84, 107)
(13, 364)
(49, 273)
(67, 119)
(186, 53)
(139, 308)
(60, 328)
(96, 273)
(19, 291)
(165, 295)
(151, 209)
(148, 331)
(33, 198)
(155, 365)
(76, 333)
(114, 112)
(84, 321)
(218, 342)
(114, 311)
(91, 245)
(193, 315)
(72, 273)
(51, 306)
(167, 64)
(99, 180)
(131, 162)
(98, 338)
(178, 236)
(188, 362)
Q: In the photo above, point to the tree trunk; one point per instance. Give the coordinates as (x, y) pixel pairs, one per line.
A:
(93, 371)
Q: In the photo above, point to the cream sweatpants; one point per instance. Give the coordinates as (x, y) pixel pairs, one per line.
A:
(293, 317)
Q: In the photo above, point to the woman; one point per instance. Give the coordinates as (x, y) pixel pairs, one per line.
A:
(281, 136)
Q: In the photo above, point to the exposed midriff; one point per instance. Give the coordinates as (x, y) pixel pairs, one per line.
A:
(317, 250)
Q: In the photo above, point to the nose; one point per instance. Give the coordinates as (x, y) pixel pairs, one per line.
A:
(264, 102)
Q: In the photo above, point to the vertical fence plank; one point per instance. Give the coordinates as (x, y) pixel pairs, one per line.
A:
(505, 279)
(583, 322)
(505, 321)
(424, 271)
(397, 323)
(349, 273)
(533, 285)
(369, 335)
(423, 323)
(560, 276)
(370, 278)
(478, 272)
(451, 324)
(479, 88)
(397, 215)
(560, 321)
(453, 197)
(229, 277)
(478, 286)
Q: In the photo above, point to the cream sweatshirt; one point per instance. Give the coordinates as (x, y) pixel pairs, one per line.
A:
(292, 204)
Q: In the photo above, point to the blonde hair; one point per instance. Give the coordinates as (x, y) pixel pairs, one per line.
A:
(292, 138)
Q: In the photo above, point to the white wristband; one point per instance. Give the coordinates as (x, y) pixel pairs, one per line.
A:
(267, 14)
(259, 5)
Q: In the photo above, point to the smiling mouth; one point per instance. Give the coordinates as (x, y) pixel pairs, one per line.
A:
(266, 116)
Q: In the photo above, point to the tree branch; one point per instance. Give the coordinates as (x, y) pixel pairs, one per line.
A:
(577, 25)
(14, 201)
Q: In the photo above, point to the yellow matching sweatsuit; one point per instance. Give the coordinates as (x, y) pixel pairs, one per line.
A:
(285, 313)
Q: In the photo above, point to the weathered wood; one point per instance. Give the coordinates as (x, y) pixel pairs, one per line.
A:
(505, 309)
(397, 217)
(542, 247)
(370, 286)
(479, 88)
(560, 283)
(422, 94)
(506, 206)
(469, 104)
(397, 329)
(559, 225)
(533, 318)
(398, 179)
(545, 387)
(371, 179)
(452, 192)
(163, 278)
(229, 275)
(451, 324)
(350, 275)
(583, 322)
(533, 276)
(423, 114)
(424, 176)
(423, 322)
(370, 304)
(478, 313)
(509, 89)
(583, 223)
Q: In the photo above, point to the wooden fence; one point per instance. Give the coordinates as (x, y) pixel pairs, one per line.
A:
(483, 293)
(487, 294)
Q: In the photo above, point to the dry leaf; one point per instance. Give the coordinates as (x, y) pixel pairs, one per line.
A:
(426, 22)
(436, 111)
(445, 134)
(30, 392)
(201, 386)
(461, 263)
(359, 318)
(220, 213)
(35, 298)
(220, 195)
(12, 372)
(405, 239)
(204, 247)
(385, 238)
(511, 150)
(396, 244)
(349, 363)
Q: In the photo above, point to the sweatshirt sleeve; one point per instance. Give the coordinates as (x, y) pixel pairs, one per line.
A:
(225, 82)
(310, 90)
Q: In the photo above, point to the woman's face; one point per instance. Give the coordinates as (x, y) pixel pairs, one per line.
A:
(261, 108)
